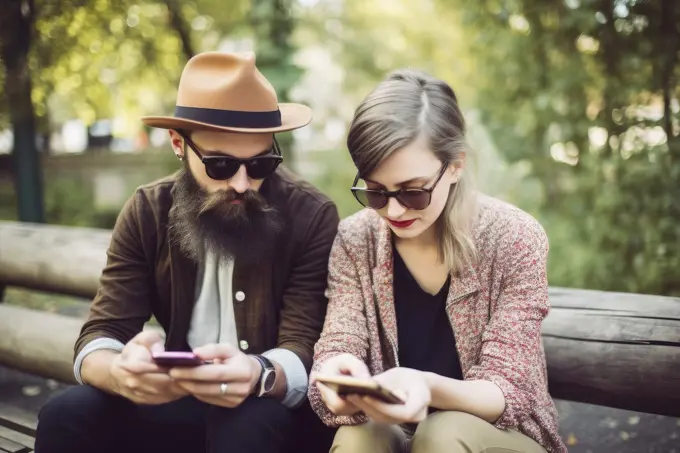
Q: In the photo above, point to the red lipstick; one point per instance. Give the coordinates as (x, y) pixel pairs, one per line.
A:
(402, 224)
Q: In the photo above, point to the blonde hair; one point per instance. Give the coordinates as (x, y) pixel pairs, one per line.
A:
(407, 104)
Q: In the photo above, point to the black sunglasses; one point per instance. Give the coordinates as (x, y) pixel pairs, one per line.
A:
(224, 167)
(416, 199)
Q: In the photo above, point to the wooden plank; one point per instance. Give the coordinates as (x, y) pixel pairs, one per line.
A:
(614, 349)
(19, 438)
(18, 425)
(52, 258)
(17, 419)
(8, 446)
(40, 343)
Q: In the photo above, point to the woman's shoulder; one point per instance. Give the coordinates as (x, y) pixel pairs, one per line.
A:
(501, 223)
(360, 229)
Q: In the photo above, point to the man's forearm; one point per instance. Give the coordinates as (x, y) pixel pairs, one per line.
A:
(95, 370)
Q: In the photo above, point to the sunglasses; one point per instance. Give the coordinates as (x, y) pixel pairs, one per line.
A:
(416, 199)
(225, 167)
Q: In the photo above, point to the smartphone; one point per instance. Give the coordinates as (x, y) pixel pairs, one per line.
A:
(177, 358)
(348, 385)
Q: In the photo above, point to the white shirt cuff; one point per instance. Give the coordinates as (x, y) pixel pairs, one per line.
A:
(296, 375)
(94, 345)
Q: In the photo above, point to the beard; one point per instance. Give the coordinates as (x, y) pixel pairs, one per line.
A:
(201, 222)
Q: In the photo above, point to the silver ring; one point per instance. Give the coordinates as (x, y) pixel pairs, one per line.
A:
(223, 388)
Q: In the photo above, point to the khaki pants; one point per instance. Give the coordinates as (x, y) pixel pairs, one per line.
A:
(441, 432)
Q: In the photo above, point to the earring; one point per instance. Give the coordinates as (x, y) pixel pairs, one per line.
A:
(179, 157)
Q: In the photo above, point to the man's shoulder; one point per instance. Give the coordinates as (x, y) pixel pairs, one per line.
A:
(157, 189)
(296, 189)
(152, 201)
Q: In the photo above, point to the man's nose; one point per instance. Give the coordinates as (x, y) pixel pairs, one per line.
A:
(240, 181)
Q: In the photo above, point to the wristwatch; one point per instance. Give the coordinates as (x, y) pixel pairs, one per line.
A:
(265, 383)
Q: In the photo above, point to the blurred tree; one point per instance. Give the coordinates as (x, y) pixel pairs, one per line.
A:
(273, 23)
(16, 36)
(587, 94)
(91, 60)
(583, 95)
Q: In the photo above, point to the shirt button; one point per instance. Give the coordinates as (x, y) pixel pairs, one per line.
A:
(244, 345)
(240, 296)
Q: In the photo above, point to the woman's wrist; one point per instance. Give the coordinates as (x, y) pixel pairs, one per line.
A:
(443, 390)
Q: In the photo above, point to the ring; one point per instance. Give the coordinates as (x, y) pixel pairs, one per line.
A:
(223, 388)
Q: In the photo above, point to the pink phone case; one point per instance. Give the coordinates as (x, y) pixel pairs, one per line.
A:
(177, 358)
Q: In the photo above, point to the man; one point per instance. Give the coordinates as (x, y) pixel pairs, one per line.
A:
(230, 256)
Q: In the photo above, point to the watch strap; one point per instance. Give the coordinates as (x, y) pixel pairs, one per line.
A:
(267, 368)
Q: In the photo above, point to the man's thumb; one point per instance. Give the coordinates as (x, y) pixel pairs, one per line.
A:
(150, 340)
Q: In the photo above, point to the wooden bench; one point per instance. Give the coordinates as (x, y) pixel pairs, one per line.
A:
(610, 349)
(17, 430)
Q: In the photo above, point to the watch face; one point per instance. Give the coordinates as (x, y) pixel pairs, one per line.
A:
(269, 381)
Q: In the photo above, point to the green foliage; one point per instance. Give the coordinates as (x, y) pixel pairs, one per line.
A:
(333, 176)
(581, 98)
(578, 93)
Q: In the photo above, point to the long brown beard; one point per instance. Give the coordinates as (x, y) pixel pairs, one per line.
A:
(201, 222)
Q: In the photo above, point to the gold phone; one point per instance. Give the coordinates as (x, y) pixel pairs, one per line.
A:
(348, 385)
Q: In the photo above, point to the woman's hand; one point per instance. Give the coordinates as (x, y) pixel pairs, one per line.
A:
(406, 383)
(340, 365)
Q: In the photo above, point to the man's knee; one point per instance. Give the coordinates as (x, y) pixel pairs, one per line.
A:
(75, 418)
(448, 431)
(369, 438)
(254, 411)
(78, 403)
(258, 424)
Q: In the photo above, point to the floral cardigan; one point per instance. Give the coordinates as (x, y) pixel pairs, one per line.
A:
(495, 307)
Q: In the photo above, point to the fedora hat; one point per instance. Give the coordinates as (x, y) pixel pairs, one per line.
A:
(221, 91)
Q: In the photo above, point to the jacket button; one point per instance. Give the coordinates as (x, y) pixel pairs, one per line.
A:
(240, 296)
(244, 345)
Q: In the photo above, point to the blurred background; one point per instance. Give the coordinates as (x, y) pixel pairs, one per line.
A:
(572, 107)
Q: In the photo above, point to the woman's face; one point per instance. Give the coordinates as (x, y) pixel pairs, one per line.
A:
(414, 166)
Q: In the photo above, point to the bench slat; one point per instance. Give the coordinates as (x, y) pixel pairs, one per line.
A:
(8, 446)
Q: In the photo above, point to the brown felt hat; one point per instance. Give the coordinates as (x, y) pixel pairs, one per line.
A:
(221, 91)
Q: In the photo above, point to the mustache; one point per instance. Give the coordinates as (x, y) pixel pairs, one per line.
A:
(232, 204)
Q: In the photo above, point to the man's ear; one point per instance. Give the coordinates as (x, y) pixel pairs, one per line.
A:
(177, 143)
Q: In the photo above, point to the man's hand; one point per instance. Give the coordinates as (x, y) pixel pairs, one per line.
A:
(409, 384)
(230, 366)
(136, 377)
(340, 365)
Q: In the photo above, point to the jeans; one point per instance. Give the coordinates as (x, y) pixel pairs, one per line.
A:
(86, 419)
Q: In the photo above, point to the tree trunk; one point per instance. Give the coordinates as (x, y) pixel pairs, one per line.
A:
(16, 33)
(273, 26)
(671, 36)
(180, 25)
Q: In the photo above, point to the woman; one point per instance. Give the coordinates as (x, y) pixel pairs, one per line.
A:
(436, 291)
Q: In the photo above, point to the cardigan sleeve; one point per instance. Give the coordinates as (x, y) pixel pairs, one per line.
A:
(344, 330)
(512, 354)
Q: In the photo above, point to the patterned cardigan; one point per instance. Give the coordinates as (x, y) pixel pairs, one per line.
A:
(496, 309)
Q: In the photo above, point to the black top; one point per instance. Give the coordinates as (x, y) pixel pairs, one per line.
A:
(425, 336)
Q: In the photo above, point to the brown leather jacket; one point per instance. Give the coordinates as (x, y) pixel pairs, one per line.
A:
(284, 303)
